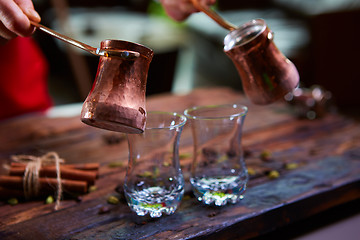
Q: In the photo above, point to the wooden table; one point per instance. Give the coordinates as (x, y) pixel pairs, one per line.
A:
(326, 152)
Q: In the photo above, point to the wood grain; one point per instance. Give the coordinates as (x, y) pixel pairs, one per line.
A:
(325, 150)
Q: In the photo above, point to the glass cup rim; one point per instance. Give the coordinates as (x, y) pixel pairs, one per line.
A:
(243, 111)
(182, 120)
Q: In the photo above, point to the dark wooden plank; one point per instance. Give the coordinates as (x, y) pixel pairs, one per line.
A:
(270, 208)
(326, 151)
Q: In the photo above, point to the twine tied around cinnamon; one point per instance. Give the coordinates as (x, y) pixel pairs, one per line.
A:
(31, 174)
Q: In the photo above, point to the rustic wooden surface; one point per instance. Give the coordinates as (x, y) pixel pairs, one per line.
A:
(326, 151)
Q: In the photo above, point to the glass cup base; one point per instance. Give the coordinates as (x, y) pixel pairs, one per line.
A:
(218, 190)
(154, 201)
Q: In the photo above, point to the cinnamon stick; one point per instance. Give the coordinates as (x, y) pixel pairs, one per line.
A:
(79, 166)
(65, 172)
(45, 184)
(84, 166)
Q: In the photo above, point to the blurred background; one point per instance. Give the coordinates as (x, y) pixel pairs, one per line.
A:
(320, 37)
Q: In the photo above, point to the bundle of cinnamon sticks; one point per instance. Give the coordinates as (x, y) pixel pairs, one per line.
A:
(75, 179)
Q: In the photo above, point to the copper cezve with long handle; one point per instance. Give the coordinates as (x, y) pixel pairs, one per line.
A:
(266, 74)
(116, 101)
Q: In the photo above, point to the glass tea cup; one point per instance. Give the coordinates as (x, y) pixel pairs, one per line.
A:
(218, 172)
(154, 183)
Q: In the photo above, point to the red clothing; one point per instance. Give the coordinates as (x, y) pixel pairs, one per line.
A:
(23, 78)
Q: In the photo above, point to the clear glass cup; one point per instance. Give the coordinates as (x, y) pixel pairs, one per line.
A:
(218, 172)
(154, 183)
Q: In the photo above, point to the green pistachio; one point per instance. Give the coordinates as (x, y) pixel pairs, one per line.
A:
(291, 166)
(13, 201)
(116, 164)
(113, 200)
(273, 174)
(49, 200)
(251, 171)
(92, 188)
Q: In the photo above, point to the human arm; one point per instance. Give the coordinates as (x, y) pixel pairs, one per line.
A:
(179, 10)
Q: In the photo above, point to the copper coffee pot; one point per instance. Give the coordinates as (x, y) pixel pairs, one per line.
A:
(266, 74)
(116, 101)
